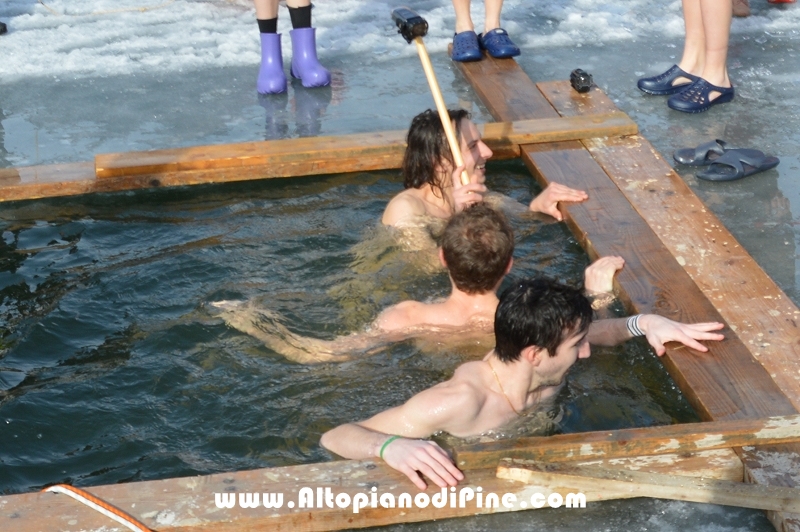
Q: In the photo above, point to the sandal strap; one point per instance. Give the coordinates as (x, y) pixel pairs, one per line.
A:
(735, 158)
(700, 91)
(714, 146)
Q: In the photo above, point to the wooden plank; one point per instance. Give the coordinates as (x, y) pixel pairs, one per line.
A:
(756, 391)
(723, 464)
(679, 438)
(725, 383)
(188, 504)
(505, 89)
(48, 181)
(592, 479)
(326, 151)
(760, 313)
(274, 159)
(752, 304)
(777, 466)
(390, 144)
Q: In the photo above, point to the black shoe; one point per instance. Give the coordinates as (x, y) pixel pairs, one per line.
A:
(3, 28)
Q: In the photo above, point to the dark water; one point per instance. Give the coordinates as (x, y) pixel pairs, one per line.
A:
(115, 370)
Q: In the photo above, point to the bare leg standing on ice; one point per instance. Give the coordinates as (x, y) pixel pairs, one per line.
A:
(700, 80)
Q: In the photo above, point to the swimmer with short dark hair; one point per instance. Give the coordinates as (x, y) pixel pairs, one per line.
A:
(542, 328)
(477, 250)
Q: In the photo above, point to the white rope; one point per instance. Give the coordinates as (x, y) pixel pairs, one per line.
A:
(97, 504)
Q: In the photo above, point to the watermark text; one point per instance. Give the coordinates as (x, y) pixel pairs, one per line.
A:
(308, 498)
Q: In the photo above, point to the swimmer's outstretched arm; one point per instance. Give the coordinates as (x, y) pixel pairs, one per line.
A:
(394, 436)
(658, 331)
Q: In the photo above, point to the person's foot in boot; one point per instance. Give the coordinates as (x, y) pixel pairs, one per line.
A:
(305, 64)
(271, 78)
(3, 28)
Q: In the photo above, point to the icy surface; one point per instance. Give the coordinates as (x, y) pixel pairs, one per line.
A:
(98, 38)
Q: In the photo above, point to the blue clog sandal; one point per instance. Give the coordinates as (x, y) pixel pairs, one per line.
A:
(498, 44)
(696, 97)
(465, 47)
(662, 84)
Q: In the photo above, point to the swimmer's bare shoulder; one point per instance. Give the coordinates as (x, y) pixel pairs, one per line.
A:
(404, 315)
(402, 208)
(452, 406)
(463, 397)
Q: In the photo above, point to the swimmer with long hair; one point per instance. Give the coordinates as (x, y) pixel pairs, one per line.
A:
(432, 182)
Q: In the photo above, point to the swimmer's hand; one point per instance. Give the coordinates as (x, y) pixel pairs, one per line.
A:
(466, 195)
(660, 330)
(412, 457)
(599, 275)
(547, 201)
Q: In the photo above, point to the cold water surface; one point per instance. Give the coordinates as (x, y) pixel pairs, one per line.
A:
(115, 369)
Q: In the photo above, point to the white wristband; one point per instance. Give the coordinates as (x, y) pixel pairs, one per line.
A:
(633, 325)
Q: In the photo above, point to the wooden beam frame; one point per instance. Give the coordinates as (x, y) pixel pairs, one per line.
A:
(278, 159)
(680, 438)
(614, 483)
(307, 155)
(186, 504)
(189, 504)
(734, 380)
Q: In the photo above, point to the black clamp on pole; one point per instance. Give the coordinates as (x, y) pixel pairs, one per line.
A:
(409, 24)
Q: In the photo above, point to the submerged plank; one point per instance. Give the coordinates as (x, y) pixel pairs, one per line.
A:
(593, 479)
(189, 504)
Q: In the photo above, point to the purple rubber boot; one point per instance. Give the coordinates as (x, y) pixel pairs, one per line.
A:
(271, 79)
(305, 64)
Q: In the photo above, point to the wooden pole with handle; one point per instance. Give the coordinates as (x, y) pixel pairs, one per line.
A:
(413, 28)
(441, 107)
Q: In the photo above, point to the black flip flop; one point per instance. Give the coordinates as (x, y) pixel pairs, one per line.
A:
(702, 155)
(736, 164)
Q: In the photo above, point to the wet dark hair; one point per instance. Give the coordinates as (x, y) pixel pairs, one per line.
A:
(539, 312)
(427, 146)
(478, 243)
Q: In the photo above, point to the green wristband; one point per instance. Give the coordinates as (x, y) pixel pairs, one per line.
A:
(386, 444)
